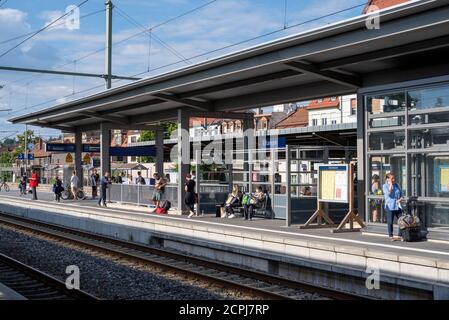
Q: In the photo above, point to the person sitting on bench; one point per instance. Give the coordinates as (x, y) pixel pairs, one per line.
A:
(254, 200)
(231, 202)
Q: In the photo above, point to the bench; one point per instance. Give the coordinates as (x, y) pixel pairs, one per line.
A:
(263, 210)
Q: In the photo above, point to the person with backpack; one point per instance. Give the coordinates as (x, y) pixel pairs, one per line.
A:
(34, 183)
(57, 189)
(159, 189)
(23, 185)
(393, 198)
(250, 201)
(231, 202)
(189, 199)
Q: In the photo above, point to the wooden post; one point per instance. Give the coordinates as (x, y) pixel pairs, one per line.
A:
(351, 217)
(319, 216)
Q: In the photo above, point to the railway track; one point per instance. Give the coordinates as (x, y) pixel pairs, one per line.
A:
(251, 282)
(34, 284)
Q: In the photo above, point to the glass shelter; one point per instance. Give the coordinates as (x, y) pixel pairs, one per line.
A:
(407, 132)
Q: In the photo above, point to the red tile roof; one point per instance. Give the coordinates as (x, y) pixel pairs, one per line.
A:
(324, 103)
(299, 118)
(382, 4)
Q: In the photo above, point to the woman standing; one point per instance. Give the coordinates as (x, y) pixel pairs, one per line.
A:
(74, 185)
(34, 183)
(376, 203)
(189, 199)
(393, 197)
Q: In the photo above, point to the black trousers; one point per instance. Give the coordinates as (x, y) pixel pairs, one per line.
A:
(189, 200)
(58, 196)
(248, 209)
(94, 191)
(33, 189)
(391, 214)
(103, 196)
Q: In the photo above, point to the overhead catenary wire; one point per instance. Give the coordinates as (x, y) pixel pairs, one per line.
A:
(3, 3)
(39, 31)
(211, 51)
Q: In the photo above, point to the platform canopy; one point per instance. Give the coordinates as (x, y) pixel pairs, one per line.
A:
(412, 42)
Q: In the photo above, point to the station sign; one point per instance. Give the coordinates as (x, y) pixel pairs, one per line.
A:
(70, 147)
(21, 156)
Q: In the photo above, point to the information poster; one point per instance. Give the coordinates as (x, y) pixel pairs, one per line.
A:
(444, 179)
(333, 183)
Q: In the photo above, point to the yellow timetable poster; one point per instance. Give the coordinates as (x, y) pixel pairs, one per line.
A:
(444, 179)
(333, 183)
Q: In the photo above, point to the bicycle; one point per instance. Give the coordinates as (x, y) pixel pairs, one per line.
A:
(5, 186)
(67, 194)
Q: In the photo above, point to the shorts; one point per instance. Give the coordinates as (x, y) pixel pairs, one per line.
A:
(157, 196)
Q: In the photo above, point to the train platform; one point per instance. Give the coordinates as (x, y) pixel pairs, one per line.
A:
(7, 293)
(407, 270)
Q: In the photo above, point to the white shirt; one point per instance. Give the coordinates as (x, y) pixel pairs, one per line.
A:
(74, 182)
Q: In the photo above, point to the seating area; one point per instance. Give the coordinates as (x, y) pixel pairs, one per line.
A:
(262, 209)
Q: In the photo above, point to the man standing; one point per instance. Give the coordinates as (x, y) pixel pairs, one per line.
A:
(140, 180)
(34, 183)
(94, 183)
(159, 189)
(104, 184)
(393, 197)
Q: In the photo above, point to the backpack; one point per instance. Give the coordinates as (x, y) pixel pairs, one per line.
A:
(166, 205)
(246, 199)
(54, 188)
(161, 211)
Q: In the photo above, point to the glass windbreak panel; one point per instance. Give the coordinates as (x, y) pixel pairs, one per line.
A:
(434, 214)
(379, 167)
(429, 138)
(428, 118)
(387, 122)
(394, 102)
(386, 140)
(428, 98)
(429, 175)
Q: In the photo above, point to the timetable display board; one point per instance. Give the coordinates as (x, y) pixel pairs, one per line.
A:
(333, 183)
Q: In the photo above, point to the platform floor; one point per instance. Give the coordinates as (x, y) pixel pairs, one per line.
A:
(426, 249)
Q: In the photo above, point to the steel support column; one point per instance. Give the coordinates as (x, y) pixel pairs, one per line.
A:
(361, 158)
(160, 151)
(105, 143)
(79, 156)
(183, 154)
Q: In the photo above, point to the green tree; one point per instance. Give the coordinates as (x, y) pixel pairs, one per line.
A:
(147, 135)
(6, 158)
(21, 137)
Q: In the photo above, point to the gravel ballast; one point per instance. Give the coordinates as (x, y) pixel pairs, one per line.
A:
(105, 276)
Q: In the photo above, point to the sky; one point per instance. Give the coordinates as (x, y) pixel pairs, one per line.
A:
(183, 41)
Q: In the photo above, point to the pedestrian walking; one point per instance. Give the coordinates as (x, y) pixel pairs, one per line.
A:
(34, 183)
(104, 185)
(58, 188)
(94, 184)
(189, 199)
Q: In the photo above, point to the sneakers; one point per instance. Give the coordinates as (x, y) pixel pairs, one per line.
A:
(191, 215)
(232, 216)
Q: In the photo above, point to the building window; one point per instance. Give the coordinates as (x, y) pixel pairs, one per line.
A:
(353, 107)
(314, 122)
(334, 122)
(324, 121)
(133, 139)
(133, 159)
(320, 100)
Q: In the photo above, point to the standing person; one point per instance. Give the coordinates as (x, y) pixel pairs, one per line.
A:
(140, 180)
(104, 184)
(74, 185)
(167, 178)
(130, 179)
(34, 183)
(189, 199)
(23, 185)
(376, 203)
(57, 189)
(393, 197)
(94, 184)
(159, 188)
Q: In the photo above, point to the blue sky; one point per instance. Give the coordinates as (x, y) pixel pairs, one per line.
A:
(219, 24)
